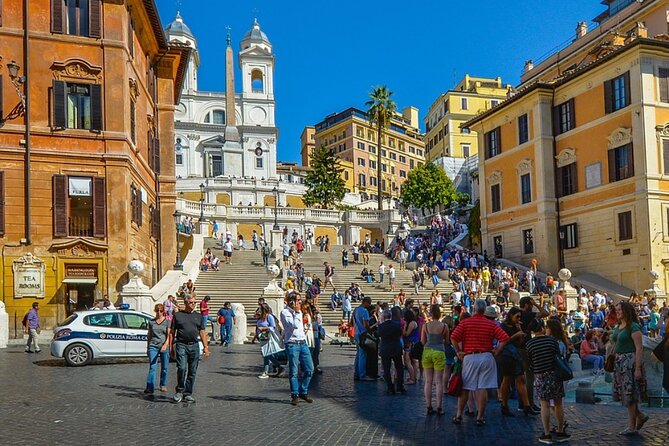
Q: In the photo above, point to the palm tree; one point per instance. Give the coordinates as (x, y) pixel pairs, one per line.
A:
(380, 111)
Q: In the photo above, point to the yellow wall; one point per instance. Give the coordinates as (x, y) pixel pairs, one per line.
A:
(268, 200)
(246, 230)
(191, 196)
(294, 201)
(322, 231)
(223, 199)
(374, 233)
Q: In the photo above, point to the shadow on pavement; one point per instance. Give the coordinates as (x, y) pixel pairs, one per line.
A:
(249, 399)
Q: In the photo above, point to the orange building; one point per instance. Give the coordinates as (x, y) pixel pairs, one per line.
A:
(574, 168)
(87, 95)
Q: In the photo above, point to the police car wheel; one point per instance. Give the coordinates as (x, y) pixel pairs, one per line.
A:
(78, 355)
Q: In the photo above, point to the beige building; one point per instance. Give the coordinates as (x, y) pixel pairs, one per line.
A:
(350, 135)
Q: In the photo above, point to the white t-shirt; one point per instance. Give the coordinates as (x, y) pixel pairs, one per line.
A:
(227, 246)
(457, 297)
(382, 269)
(391, 273)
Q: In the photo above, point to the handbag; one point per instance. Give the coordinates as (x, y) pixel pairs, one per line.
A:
(368, 341)
(562, 370)
(610, 363)
(454, 387)
(658, 351)
(221, 320)
(274, 344)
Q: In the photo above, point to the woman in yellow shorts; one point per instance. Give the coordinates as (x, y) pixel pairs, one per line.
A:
(433, 336)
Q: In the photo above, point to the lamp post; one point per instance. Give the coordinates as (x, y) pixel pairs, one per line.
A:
(276, 201)
(201, 202)
(177, 220)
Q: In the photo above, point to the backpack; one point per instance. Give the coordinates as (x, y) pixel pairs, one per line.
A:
(25, 320)
(266, 250)
(549, 281)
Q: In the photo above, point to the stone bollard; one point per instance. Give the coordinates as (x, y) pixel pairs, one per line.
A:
(4, 326)
(239, 329)
(585, 393)
(575, 363)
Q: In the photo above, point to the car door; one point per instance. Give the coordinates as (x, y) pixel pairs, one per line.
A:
(108, 335)
(137, 330)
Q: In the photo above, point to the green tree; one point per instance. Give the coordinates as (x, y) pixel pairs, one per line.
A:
(325, 185)
(427, 187)
(380, 111)
(475, 224)
(462, 199)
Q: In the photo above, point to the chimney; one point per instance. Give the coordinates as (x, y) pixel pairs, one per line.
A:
(528, 66)
(581, 29)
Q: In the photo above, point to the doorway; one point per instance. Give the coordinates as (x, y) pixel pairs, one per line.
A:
(80, 296)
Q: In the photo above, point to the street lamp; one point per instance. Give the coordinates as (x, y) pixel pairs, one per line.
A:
(276, 201)
(201, 202)
(177, 220)
(17, 80)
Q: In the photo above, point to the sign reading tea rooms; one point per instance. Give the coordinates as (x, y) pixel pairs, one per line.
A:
(29, 276)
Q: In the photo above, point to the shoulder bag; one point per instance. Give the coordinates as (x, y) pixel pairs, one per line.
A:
(658, 351)
(561, 367)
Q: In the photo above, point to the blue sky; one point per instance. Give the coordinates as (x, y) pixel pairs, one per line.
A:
(329, 55)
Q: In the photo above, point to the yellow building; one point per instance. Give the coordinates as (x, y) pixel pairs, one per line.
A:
(444, 136)
(350, 135)
(307, 144)
(574, 169)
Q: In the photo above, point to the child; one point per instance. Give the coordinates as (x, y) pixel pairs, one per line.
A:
(653, 324)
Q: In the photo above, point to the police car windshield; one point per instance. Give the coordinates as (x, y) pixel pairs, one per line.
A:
(69, 320)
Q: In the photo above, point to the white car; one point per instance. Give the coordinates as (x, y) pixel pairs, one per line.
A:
(85, 335)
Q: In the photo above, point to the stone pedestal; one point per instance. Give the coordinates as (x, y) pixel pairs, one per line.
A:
(570, 293)
(275, 242)
(655, 291)
(204, 228)
(239, 329)
(4, 326)
(276, 304)
(135, 293)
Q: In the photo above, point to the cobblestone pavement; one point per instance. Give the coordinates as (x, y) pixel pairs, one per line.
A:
(46, 402)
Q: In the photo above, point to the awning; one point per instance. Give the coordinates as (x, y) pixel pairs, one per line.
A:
(91, 280)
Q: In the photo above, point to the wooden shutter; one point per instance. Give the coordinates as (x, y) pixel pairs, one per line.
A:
(57, 16)
(663, 80)
(630, 160)
(572, 113)
(574, 178)
(628, 89)
(498, 131)
(559, 181)
(60, 206)
(608, 96)
(156, 155)
(99, 207)
(612, 165)
(2, 203)
(94, 19)
(556, 120)
(2, 110)
(139, 206)
(133, 118)
(96, 107)
(155, 224)
(59, 104)
(665, 156)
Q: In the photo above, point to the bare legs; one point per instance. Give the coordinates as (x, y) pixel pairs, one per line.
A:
(437, 377)
(546, 415)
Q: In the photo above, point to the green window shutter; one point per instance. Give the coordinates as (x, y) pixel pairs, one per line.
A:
(59, 104)
(60, 205)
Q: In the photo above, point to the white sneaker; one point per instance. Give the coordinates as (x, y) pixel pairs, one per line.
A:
(263, 376)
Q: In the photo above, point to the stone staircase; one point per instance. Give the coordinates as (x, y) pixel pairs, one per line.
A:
(244, 280)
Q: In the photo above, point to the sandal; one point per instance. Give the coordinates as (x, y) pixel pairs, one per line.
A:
(430, 410)
(480, 421)
(469, 413)
(641, 421)
(456, 420)
(440, 411)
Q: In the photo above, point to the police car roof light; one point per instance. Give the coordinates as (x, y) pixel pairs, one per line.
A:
(124, 307)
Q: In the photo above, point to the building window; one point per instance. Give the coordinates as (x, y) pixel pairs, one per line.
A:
(465, 130)
(569, 236)
(136, 205)
(665, 156)
(361, 145)
(621, 163)
(419, 152)
(133, 122)
(392, 170)
(464, 103)
(493, 143)
(79, 206)
(411, 164)
(346, 175)
(361, 180)
(412, 149)
(523, 131)
(564, 117)
(625, 226)
(566, 180)
(663, 81)
(180, 159)
(528, 241)
(617, 93)
(497, 246)
(525, 188)
(218, 117)
(77, 106)
(372, 181)
(403, 159)
(494, 103)
(372, 164)
(495, 198)
(393, 155)
(372, 149)
(361, 162)
(76, 17)
(384, 167)
(259, 163)
(257, 82)
(466, 148)
(383, 152)
(403, 174)
(216, 165)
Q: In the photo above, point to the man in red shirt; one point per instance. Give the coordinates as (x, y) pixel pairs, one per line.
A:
(204, 311)
(473, 340)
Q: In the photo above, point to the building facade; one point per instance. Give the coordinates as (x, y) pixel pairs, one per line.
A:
(350, 135)
(227, 134)
(86, 167)
(574, 169)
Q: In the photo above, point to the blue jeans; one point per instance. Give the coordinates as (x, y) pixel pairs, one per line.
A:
(154, 355)
(596, 360)
(360, 363)
(346, 315)
(271, 359)
(381, 276)
(188, 357)
(299, 354)
(226, 333)
(265, 260)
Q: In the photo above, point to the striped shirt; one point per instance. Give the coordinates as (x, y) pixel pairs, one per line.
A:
(477, 334)
(541, 351)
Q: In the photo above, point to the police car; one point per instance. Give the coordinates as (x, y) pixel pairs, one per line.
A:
(100, 334)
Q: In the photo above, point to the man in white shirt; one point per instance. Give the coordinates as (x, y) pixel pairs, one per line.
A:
(297, 350)
(456, 297)
(391, 276)
(227, 250)
(382, 272)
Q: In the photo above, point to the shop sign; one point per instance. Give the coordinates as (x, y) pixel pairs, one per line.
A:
(28, 276)
(81, 271)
